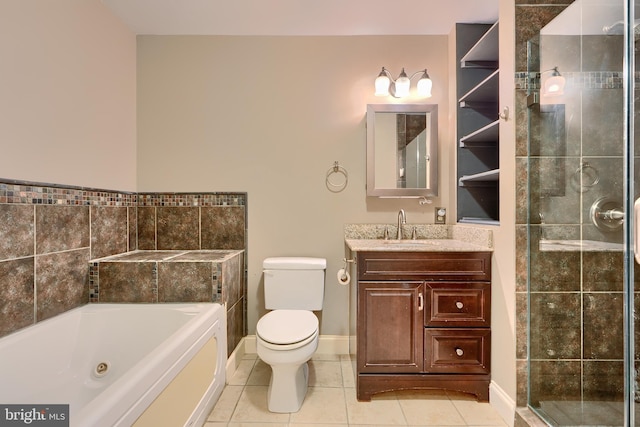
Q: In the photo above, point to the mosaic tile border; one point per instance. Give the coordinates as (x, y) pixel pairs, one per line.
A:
(192, 199)
(525, 80)
(30, 193)
(34, 193)
(94, 281)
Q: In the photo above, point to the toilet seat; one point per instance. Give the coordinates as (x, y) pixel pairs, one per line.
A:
(290, 328)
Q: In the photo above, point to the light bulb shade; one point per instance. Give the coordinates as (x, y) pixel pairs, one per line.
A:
(402, 86)
(554, 85)
(424, 86)
(382, 85)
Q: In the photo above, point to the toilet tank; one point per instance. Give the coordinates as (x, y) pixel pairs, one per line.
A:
(294, 283)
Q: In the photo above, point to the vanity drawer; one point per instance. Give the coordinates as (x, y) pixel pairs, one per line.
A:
(457, 304)
(459, 266)
(459, 351)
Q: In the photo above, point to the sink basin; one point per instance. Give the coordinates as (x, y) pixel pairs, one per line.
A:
(411, 243)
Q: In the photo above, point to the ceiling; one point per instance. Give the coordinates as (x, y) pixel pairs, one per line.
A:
(300, 17)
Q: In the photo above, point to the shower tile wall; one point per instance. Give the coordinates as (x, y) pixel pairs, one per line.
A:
(576, 346)
(49, 233)
(530, 17)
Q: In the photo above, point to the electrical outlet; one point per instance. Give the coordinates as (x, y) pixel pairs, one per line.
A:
(441, 215)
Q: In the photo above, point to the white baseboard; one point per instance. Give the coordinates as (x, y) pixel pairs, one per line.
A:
(333, 344)
(502, 403)
(233, 361)
(327, 344)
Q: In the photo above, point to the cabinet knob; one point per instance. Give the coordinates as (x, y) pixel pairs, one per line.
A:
(459, 351)
(459, 305)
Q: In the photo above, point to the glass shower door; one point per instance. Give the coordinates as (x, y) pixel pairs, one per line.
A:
(580, 264)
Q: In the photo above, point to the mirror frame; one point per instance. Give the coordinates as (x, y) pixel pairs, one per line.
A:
(432, 171)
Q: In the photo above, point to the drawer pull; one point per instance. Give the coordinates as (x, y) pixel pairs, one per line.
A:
(459, 305)
(420, 302)
(459, 352)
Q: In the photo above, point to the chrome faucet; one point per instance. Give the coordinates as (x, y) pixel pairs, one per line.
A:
(402, 219)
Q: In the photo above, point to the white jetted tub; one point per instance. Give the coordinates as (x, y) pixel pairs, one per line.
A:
(121, 364)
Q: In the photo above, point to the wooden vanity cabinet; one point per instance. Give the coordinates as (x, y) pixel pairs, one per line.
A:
(423, 322)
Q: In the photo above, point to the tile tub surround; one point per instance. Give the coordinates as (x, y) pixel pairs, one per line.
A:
(175, 276)
(50, 232)
(461, 237)
(191, 221)
(167, 276)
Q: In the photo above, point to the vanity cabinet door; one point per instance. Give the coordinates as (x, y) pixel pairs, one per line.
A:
(390, 327)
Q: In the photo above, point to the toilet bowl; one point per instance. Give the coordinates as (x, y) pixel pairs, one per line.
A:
(286, 340)
(287, 336)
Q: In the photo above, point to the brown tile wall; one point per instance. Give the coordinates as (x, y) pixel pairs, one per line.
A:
(191, 221)
(49, 233)
(234, 296)
(531, 16)
(573, 345)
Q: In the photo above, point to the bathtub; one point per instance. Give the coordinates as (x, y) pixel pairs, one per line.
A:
(120, 364)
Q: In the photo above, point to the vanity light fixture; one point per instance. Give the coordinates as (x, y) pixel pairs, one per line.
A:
(554, 85)
(399, 88)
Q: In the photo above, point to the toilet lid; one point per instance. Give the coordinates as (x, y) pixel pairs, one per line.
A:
(287, 326)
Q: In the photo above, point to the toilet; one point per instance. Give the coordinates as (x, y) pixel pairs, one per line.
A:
(287, 336)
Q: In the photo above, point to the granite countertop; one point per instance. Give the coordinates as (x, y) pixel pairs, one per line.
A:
(430, 238)
(419, 245)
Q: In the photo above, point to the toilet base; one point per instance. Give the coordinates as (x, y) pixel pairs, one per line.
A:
(287, 387)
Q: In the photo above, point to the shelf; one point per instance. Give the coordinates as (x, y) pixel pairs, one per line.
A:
(487, 136)
(473, 220)
(484, 54)
(484, 94)
(477, 124)
(481, 178)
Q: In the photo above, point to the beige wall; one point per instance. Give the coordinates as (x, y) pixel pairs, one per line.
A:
(503, 310)
(269, 116)
(67, 94)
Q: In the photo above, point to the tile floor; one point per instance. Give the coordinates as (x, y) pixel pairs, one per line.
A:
(331, 401)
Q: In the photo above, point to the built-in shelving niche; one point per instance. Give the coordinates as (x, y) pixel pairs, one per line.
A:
(477, 89)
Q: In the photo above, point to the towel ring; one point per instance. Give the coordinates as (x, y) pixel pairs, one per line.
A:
(341, 184)
(585, 177)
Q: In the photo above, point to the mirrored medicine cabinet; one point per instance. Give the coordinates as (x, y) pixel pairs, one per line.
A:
(402, 150)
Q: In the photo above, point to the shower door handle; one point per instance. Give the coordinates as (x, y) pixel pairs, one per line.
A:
(636, 230)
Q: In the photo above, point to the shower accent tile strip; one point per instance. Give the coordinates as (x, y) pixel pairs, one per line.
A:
(525, 80)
